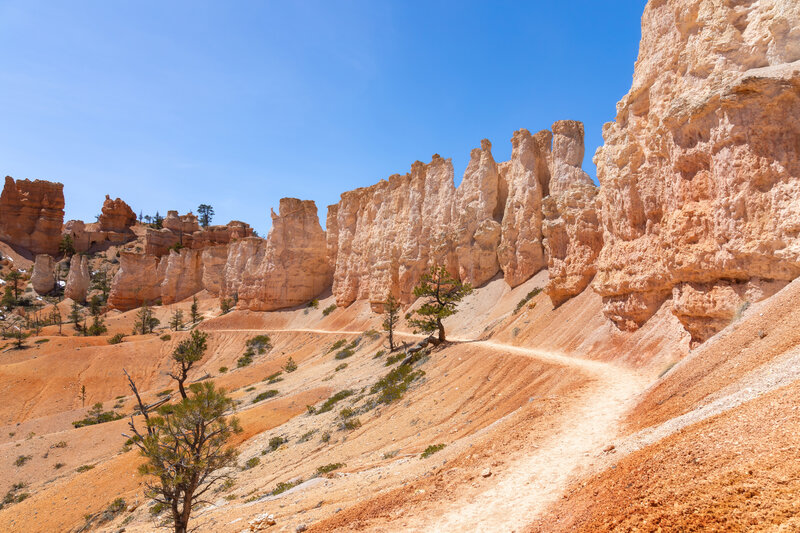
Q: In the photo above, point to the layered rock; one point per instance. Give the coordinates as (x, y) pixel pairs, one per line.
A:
(184, 230)
(138, 280)
(294, 266)
(43, 277)
(78, 279)
(31, 215)
(527, 175)
(572, 230)
(186, 224)
(116, 216)
(700, 173)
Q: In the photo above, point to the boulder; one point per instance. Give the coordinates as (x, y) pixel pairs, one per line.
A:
(43, 278)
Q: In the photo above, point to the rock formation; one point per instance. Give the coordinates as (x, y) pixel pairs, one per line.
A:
(184, 230)
(527, 174)
(116, 216)
(186, 224)
(78, 279)
(572, 231)
(138, 280)
(700, 172)
(31, 215)
(295, 267)
(43, 278)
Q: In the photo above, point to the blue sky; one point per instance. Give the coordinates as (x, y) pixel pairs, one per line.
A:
(237, 104)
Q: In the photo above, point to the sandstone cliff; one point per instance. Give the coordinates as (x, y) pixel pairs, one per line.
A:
(31, 215)
(699, 172)
(295, 267)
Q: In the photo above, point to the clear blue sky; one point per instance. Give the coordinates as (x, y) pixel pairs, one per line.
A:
(237, 104)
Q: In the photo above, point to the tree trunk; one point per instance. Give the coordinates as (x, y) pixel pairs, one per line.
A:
(441, 331)
(182, 389)
(391, 340)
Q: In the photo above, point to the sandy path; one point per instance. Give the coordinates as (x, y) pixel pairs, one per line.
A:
(539, 477)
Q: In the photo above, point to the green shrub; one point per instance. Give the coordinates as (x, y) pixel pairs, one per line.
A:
(344, 354)
(379, 354)
(351, 423)
(372, 334)
(527, 299)
(340, 367)
(326, 437)
(166, 337)
(22, 459)
(84, 468)
(250, 389)
(392, 359)
(223, 369)
(432, 449)
(265, 395)
(328, 310)
(336, 345)
(58, 465)
(272, 378)
(394, 385)
(116, 339)
(42, 341)
(327, 469)
(96, 415)
(251, 463)
(246, 359)
(347, 412)
(163, 393)
(290, 365)
(284, 486)
(275, 443)
(260, 344)
(307, 436)
(330, 402)
(313, 304)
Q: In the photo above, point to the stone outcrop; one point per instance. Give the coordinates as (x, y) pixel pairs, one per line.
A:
(700, 172)
(31, 215)
(116, 216)
(78, 279)
(138, 280)
(43, 277)
(527, 175)
(294, 265)
(186, 224)
(185, 230)
(572, 230)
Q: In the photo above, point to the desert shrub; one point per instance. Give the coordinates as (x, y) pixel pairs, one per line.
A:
(432, 449)
(371, 334)
(527, 299)
(22, 459)
(390, 455)
(157, 508)
(84, 468)
(336, 345)
(163, 393)
(379, 354)
(58, 465)
(344, 354)
(328, 310)
(60, 444)
(392, 359)
(330, 402)
(327, 469)
(351, 423)
(116, 339)
(311, 409)
(326, 437)
(275, 443)
(249, 389)
(260, 343)
(313, 304)
(96, 415)
(290, 365)
(223, 369)
(246, 359)
(394, 385)
(347, 412)
(166, 337)
(307, 435)
(251, 463)
(283, 486)
(340, 367)
(42, 341)
(265, 395)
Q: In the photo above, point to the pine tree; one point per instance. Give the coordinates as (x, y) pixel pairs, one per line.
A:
(391, 315)
(442, 293)
(177, 320)
(206, 213)
(194, 311)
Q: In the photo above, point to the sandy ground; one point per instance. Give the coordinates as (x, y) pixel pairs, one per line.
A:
(542, 412)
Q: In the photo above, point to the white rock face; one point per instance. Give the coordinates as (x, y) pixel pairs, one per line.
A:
(78, 279)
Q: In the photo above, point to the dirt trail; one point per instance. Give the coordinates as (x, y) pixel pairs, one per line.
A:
(539, 476)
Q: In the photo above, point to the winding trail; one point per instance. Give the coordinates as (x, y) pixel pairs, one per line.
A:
(538, 477)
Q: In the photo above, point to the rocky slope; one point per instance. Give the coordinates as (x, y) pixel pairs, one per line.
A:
(699, 172)
(31, 215)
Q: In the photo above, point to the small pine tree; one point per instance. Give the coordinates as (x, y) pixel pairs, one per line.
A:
(442, 293)
(391, 316)
(82, 395)
(19, 337)
(8, 300)
(145, 321)
(176, 322)
(185, 355)
(194, 311)
(206, 213)
(55, 317)
(75, 315)
(13, 278)
(67, 245)
(98, 327)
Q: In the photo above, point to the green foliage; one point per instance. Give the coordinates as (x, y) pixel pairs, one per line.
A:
(58, 466)
(290, 365)
(313, 304)
(391, 316)
(344, 354)
(84, 468)
(284, 486)
(330, 402)
(67, 245)
(98, 327)
(379, 354)
(22, 459)
(145, 321)
(176, 321)
(526, 299)
(265, 396)
(163, 393)
(226, 304)
(392, 359)
(336, 345)
(223, 369)
(327, 469)
(246, 359)
(275, 443)
(206, 213)
(326, 437)
(442, 294)
(328, 310)
(60, 444)
(116, 339)
(260, 344)
(394, 385)
(307, 435)
(166, 337)
(340, 367)
(351, 423)
(185, 355)
(347, 412)
(194, 312)
(251, 463)
(96, 415)
(14, 495)
(274, 378)
(432, 449)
